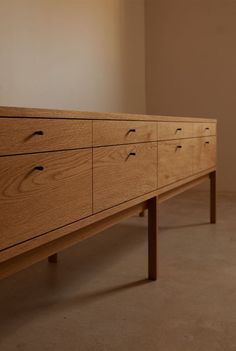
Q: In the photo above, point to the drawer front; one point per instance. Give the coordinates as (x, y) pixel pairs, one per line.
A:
(174, 161)
(174, 130)
(123, 132)
(18, 136)
(35, 201)
(204, 153)
(204, 129)
(122, 173)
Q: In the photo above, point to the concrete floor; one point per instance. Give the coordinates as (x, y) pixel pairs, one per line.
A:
(97, 297)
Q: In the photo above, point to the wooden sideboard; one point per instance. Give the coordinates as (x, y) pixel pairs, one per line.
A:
(68, 175)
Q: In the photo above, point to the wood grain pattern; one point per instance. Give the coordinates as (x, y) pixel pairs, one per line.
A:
(174, 161)
(123, 132)
(175, 130)
(75, 226)
(18, 136)
(119, 176)
(204, 129)
(34, 202)
(204, 153)
(20, 112)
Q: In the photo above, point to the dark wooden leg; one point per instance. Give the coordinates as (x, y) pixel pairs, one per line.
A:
(53, 258)
(213, 197)
(153, 239)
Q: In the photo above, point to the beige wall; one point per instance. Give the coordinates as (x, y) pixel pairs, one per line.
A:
(84, 54)
(191, 68)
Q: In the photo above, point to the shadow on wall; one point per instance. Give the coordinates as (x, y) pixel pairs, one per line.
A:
(191, 71)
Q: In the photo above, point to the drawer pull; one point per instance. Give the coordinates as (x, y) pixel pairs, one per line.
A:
(207, 142)
(132, 154)
(179, 147)
(179, 129)
(39, 132)
(39, 168)
(207, 128)
(132, 130)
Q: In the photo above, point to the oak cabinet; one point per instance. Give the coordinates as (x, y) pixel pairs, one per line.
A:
(67, 175)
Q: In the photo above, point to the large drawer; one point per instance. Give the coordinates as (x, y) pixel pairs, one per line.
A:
(35, 201)
(122, 173)
(21, 135)
(204, 153)
(174, 130)
(123, 132)
(174, 161)
(204, 129)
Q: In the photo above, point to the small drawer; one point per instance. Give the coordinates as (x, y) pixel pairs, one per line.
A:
(204, 129)
(204, 153)
(174, 130)
(124, 172)
(123, 132)
(42, 192)
(26, 135)
(174, 161)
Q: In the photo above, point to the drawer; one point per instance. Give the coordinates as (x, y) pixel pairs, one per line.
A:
(204, 153)
(174, 161)
(123, 132)
(174, 130)
(35, 201)
(18, 136)
(204, 129)
(122, 173)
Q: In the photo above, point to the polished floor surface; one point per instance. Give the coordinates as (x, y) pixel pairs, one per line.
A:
(97, 297)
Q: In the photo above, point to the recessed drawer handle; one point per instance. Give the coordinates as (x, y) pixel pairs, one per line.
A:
(39, 168)
(132, 154)
(39, 132)
(179, 147)
(207, 128)
(179, 129)
(207, 142)
(132, 130)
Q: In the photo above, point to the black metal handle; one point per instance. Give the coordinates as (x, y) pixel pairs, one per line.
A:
(179, 147)
(39, 132)
(132, 130)
(39, 168)
(207, 142)
(132, 154)
(207, 128)
(179, 129)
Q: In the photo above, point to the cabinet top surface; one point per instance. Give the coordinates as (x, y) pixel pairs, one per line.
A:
(73, 114)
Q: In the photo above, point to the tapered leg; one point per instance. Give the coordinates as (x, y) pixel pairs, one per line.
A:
(153, 239)
(53, 258)
(213, 197)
